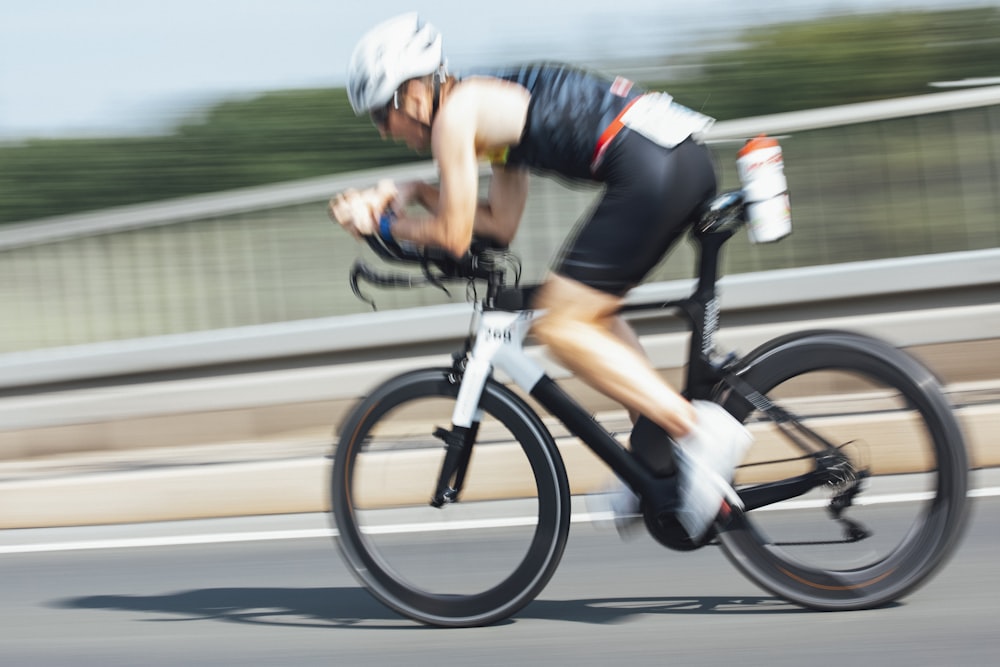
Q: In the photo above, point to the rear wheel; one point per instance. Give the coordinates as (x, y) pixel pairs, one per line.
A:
(887, 413)
(471, 562)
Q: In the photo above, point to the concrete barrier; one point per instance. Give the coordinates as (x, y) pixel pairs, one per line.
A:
(295, 479)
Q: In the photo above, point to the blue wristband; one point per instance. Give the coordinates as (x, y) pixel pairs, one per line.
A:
(385, 226)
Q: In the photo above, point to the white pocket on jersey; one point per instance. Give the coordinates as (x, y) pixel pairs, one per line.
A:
(658, 118)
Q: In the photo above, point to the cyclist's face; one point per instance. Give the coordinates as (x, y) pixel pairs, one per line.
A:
(397, 120)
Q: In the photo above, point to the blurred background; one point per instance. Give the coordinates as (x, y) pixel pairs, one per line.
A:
(114, 114)
(173, 297)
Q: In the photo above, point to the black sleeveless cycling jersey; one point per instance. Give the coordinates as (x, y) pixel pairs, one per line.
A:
(653, 190)
(569, 110)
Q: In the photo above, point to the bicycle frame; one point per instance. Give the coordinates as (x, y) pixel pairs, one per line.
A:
(498, 343)
(499, 336)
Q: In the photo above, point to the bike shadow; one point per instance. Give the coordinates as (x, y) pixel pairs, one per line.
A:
(356, 608)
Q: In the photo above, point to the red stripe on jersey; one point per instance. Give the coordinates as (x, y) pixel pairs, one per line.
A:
(609, 133)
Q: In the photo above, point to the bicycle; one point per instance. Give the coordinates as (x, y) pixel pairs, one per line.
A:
(831, 411)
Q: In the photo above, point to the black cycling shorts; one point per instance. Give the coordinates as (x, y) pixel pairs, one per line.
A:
(651, 195)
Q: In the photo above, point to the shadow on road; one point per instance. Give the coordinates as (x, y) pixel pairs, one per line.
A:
(354, 607)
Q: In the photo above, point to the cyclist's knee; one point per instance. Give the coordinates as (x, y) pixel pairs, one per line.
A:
(569, 305)
(562, 294)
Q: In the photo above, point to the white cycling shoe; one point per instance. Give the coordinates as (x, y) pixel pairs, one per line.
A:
(706, 460)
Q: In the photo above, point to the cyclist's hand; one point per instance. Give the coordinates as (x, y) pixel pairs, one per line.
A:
(385, 196)
(350, 211)
(358, 212)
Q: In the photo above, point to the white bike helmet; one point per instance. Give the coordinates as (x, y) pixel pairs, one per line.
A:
(391, 53)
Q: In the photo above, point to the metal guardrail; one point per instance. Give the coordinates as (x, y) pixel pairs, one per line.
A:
(198, 207)
(942, 278)
(260, 261)
(855, 114)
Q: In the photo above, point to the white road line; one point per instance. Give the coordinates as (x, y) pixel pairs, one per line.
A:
(271, 535)
(166, 541)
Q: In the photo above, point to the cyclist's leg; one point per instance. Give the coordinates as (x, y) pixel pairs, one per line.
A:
(652, 195)
(579, 330)
(626, 334)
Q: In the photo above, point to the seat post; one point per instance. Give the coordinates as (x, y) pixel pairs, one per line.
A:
(709, 251)
(722, 217)
(702, 308)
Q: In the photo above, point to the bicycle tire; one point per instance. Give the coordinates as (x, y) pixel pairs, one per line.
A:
(435, 591)
(905, 401)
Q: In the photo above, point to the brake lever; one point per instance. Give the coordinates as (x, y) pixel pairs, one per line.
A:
(437, 265)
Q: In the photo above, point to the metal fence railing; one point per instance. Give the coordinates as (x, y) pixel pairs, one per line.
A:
(881, 180)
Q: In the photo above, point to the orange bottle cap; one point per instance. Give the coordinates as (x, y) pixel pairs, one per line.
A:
(758, 142)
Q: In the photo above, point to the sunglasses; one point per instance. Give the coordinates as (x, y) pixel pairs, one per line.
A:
(380, 116)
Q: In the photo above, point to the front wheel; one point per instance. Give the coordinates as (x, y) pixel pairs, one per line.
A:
(888, 415)
(470, 562)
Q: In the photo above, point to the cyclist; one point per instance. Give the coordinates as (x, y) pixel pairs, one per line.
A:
(554, 118)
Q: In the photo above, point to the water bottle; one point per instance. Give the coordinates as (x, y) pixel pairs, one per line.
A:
(762, 172)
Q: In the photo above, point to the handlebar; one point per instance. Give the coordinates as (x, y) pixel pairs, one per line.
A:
(490, 261)
(485, 260)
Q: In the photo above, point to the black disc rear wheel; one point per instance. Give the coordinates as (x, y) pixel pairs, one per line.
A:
(887, 414)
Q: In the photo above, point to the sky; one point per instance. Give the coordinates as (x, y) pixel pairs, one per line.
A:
(114, 67)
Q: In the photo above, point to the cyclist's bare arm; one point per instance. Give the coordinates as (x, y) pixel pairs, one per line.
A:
(480, 115)
(496, 217)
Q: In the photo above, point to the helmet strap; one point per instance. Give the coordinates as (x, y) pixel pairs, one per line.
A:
(437, 94)
(436, 80)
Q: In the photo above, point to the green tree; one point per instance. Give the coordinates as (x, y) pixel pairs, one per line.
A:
(793, 66)
(274, 137)
(298, 134)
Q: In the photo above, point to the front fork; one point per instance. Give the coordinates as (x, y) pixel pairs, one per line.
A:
(500, 335)
(458, 443)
